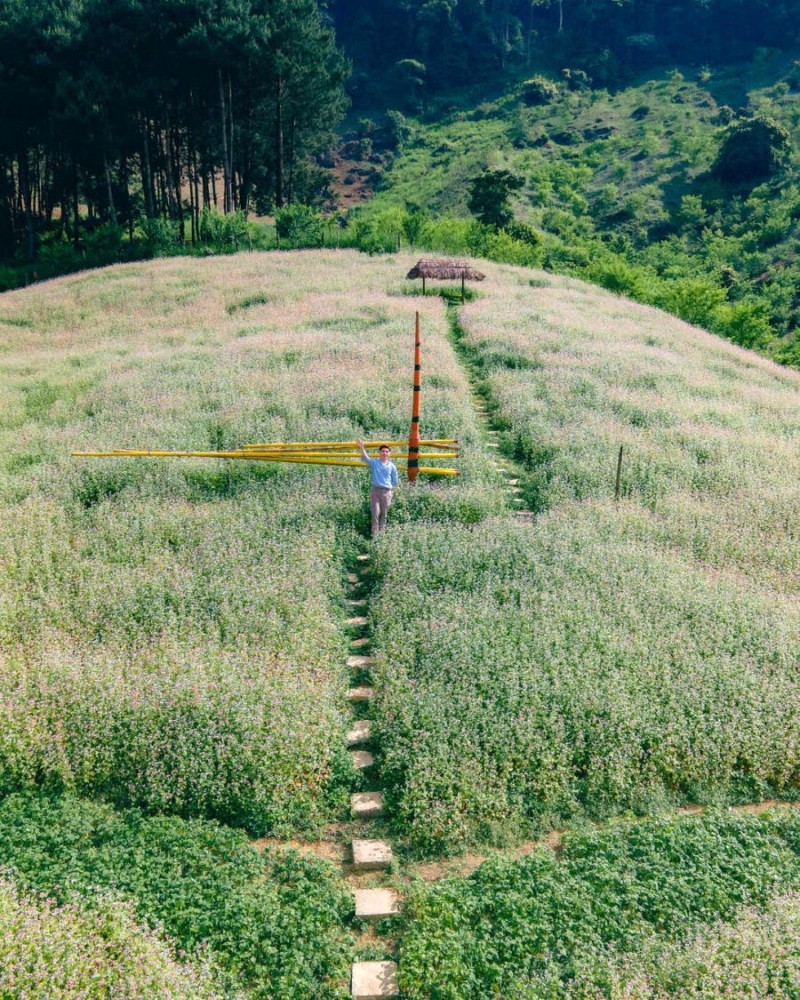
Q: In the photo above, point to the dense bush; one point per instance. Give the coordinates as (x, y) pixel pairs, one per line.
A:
(539, 90)
(548, 927)
(301, 225)
(752, 149)
(273, 922)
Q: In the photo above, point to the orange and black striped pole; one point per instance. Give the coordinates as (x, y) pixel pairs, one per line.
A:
(413, 437)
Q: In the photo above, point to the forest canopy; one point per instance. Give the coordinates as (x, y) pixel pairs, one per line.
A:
(158, 109)
(460, 41)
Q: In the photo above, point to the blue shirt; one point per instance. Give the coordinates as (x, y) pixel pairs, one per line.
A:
(383, 474)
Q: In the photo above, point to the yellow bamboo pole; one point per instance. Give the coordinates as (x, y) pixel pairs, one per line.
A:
(288, 459)
(340, 454)
(299, 445)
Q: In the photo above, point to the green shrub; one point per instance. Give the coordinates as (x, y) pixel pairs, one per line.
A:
(526, 927)
(539, 90)
(300, 225)
(751, 150)
(227, 231)
(273, 922)
(94, 951)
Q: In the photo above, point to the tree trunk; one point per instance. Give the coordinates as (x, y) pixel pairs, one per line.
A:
(112, 211)
(279, 142)
(76, 208)
(231, 173)
(147, 173)
(25, 184)
(226, 170)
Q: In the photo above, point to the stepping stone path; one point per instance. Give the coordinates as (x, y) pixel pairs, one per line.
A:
(374, 980)
(371, 857)
(360, 733)
(368, 979)
(367, 805)
(360, 661)
(361, 759)
(361, 694)
(376, 904)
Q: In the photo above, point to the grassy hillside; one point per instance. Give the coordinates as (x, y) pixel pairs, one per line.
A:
(172, 645)
(619, 656)
(618, 189)
(169, 633)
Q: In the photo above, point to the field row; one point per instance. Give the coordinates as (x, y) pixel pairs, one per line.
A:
(170, 632)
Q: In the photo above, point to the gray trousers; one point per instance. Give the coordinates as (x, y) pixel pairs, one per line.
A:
(380, 500)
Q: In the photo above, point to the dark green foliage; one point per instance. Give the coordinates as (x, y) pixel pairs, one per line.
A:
(751, 150)
(117, 112)
(274, 922)
(301, 225)
(539, 90)
(521, 927)
(463, 42)
(489, 194)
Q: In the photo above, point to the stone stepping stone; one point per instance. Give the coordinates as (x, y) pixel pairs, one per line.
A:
(372, 855)
(360, 733)
(367, 805)
(360, 661)
(376, 904)
(357, 620)
(513, 482)
(360, 603)
(517, 500)
(492, 444)
(360, 643)
(490, 431)
(374, 980)
(365, 571)
(516, 489)
(524, 515)
(361, 759)
(352, 578)
(363, 557)
(360, 694)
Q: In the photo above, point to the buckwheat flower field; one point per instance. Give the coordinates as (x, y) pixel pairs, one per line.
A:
(613, 656)
(169, 630)
(63, 952)
(173, 646)
(692, 906)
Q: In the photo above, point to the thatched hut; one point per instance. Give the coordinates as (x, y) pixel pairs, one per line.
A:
(445, 270)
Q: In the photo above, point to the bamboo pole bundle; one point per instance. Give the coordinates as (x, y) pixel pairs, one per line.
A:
(305, 456)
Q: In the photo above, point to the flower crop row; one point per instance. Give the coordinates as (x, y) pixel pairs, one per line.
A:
(170, 631)
(267, 925)
(668, 908)
(530, 676)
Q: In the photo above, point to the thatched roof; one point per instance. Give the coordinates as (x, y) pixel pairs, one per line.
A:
(435, 267)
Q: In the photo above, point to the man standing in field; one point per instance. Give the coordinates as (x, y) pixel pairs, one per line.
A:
(384, 479)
